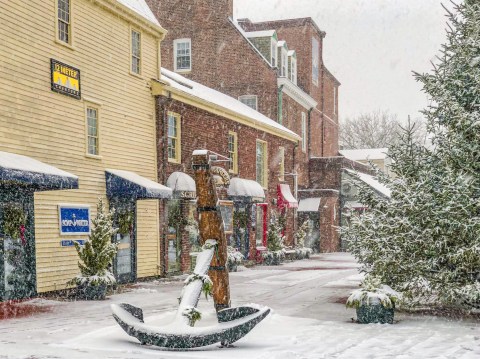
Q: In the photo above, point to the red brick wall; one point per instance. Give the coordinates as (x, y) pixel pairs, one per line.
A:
(203, 130)
(221, 57)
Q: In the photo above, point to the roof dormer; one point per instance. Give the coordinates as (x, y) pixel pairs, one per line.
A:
(266, 43)
(282, 58)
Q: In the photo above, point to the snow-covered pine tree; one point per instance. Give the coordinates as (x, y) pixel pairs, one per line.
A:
(425, 241)
(98, 252)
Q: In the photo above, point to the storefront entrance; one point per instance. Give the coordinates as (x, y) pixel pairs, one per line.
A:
(312, 240)
(17, 243)
(125, 261)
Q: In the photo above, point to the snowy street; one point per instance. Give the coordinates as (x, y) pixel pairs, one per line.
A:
(309, 320)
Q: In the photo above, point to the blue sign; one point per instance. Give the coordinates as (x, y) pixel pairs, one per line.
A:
(74, 219)
(69, 243)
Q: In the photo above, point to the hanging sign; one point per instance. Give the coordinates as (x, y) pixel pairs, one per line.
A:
(65, 79)
(74, 219)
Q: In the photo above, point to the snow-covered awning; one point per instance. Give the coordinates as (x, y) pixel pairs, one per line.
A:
(309, 204)
(129, 184)
(40, 176)
(248, 189)
(354, 205)
(372, 182)
(182, 185)
(285, 197)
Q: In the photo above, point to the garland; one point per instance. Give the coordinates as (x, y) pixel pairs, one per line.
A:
(193, 314)
(14, 221)
(240, 219)
(207, 283)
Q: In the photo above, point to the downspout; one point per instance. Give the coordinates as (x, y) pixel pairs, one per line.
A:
(161, 105)
(280, 105)
(323, 109)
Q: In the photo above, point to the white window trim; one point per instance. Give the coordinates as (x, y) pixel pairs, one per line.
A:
(274, 52)
(139, 74)
(70, 43)
(284, 62)
(281, 174)
(178, 149)
(234, 170)
(293, 70)
(90, 103)
(304, 132)
(249, 97)
(175, 44)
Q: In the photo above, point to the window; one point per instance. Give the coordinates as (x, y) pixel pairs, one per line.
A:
(274, 52)
(92, 131)
(233, 152)
(261, 156)
(281, 163)
(136, 51)
(293, 69)
(315, 60)
(304, 132)
(174, 137)
(64, 24)
(182, 49)
(249, 100)
(284, 59)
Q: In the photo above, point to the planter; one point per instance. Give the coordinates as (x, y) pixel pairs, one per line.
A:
(92, 292)
(375, 313)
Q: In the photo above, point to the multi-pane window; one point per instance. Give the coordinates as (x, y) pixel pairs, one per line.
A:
(284, 59)
(304, 132)
(136, 51)
(182, 54)
(92, 131)
(281, 163)
(249, 100)
(173, 137)
(274, 52)
(293, 69)
(64, 20)
(334, 100)
(233, 152)
(261, 166)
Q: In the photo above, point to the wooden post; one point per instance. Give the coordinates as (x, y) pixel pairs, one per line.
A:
(211, 227)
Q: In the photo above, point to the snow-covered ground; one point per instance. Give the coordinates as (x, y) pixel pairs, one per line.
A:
(309, 320)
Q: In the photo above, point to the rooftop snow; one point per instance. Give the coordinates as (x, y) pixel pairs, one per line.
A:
(23, 163)
(372, 182)
(180, 181)
(141, 8)
(217, 98)
(264, 33)
(365, 154)
(152, 188)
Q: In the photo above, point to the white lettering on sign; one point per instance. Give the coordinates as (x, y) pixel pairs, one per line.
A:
(74, 222)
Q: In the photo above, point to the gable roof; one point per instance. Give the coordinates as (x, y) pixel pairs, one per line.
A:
(365, 154)
(141, 8)
(227, 104)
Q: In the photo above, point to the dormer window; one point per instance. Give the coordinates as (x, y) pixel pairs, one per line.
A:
(283, 58)
(292, 66)
(274, 52)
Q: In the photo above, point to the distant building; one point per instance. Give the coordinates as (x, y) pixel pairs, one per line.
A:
(378, 156)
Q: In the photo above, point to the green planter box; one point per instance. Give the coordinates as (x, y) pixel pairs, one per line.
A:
(375, 314)
(92, 292)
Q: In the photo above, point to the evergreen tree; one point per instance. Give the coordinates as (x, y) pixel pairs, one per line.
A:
(425, 240)
(98, 252)
(274, 237)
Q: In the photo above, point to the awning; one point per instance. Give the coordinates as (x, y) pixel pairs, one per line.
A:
(26, 170)
(285, 197)
(182, 185)
(246, 189)
(309, 204)
(129, 184)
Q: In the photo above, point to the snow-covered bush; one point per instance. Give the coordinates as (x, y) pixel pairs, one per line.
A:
(98, 252)
(373, 293)
(275, 248)
(425, 240)
(299, 237)
(234, 258)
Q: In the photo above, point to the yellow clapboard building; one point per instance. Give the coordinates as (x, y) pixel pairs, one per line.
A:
(77, 122)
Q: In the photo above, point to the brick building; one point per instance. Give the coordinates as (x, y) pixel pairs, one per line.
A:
(275, 67)
(192, 116)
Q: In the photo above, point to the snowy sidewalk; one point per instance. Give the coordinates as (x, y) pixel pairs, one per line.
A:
(309, 320)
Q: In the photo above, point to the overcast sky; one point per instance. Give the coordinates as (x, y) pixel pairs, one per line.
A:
(371, 46)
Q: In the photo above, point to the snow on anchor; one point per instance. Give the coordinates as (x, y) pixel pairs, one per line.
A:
(234, 323)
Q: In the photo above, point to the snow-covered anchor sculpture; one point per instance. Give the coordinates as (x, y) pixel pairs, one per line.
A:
(233, 323)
